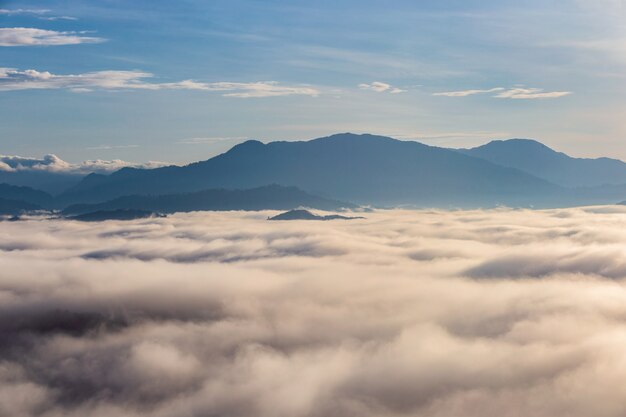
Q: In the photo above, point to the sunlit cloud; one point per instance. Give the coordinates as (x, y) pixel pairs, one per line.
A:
(211, 140)
(13, 79)
(381, 87)
(465, 93)
(429, 313)
(42, 37)
(512, 93)
(52, 163)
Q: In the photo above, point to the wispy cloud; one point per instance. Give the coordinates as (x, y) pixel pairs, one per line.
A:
(12, 12)
(52, 163)
(517, 93)
(111, 147)
(42, 14)
(465, 93)
(381, 87)
(531, 93)
(210, 140)
(43, 37)
(12, 79)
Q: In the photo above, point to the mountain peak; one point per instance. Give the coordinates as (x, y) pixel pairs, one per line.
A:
(517, 143)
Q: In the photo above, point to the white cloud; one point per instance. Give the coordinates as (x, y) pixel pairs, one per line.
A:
(52, 163)
(381, 87)
(405, 313)
(13, 79)
(531, 93)
(210, 140)
(12, 12)
(42, 14)
(465, 93)
(512, 93)
(42, 37)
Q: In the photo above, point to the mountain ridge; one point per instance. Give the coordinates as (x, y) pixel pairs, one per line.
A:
(360, 168)
(534, 157)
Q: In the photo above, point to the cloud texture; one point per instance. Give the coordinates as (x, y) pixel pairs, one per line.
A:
(43, 37)
(52, 163)
(12, 79)
(404, 313)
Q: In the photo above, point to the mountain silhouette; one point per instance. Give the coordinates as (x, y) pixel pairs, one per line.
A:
(48, 181)
(26, 194)
(307, 215)
(121, 214)
(537, 159)
(364, 169)
(15, 207)
(272, 197)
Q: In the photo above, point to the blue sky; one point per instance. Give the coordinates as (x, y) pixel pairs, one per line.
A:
(181, 81)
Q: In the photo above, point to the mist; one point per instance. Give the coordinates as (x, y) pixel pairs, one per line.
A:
(404, 313)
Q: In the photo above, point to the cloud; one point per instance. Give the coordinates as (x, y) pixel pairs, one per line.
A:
(42, 37)
(229, 314)
(52, 163)
(12, 12)
(512, 93)
(211, 140)
(466, 93)
(13, 79)
(381, 87)
(531, 93)
(42, 14)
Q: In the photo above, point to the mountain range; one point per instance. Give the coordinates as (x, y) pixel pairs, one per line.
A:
(362, 169)
(537, 159)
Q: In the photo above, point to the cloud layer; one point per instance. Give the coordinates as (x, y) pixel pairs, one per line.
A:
(429, 313)
(381, 87)
(52, 163)
(42, 37)
(517, 93)
(12, 79)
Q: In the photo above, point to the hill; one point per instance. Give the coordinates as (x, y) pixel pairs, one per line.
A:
(14, 207)
(307, 215)
(537, 159)
(272, 197)
(26, 194)
(361, 168)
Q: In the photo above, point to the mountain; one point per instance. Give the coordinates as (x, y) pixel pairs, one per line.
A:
(50, 182)
(14, 207)
(307, 215)
(26, 194)
(101, 215)
(361, 168)
(272, 197)
(537, 159)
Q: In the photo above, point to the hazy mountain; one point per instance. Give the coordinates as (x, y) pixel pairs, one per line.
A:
(272, 197)
(50, 182)
(13, 207)
(101, 215)
(359, 168)
(537, 159)
(26, 194)
(307, 215)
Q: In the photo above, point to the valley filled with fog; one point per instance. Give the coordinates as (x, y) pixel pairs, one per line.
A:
(429, 313)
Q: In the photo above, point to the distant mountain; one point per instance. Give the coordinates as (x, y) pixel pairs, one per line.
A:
(307, 215)
(50, 182)
(26, 194)
(272, 197)
(101, 215)
(361, 168)
(15, 207)
(537, 159)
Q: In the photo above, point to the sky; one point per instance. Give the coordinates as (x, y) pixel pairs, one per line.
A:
(183, 81)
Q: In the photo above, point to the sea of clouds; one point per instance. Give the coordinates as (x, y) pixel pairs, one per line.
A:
(404, 313)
